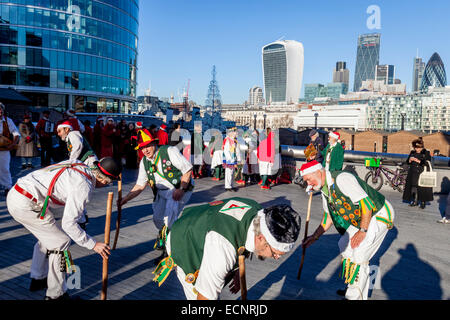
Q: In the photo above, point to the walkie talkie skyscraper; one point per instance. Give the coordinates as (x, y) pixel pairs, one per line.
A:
(213, 101)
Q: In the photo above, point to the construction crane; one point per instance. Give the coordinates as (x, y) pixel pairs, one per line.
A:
(186, 100)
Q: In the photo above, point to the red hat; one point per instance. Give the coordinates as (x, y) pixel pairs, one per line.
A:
(139, 125)
(310, 167)
(65, 124)
(146, 139)
(335, 135)
(163, 126)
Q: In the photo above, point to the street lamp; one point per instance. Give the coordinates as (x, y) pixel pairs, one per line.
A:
(316, 115)
(403, 114)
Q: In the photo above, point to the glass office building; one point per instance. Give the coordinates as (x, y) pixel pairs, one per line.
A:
(283, 71)
(367, 58)
(434, 74)
(78, 54)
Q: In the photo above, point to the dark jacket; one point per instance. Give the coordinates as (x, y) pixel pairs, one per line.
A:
(412, 180)
(318, 144)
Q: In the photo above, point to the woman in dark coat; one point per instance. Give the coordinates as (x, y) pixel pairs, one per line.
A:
(131, 143)
(417, 160)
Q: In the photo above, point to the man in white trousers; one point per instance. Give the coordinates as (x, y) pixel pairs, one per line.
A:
(7, 130)
(230, 159)
(168, 173)
(360, 214)
(69, 184)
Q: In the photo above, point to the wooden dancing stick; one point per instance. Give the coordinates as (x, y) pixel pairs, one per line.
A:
(107, 234)
(308, 216)
(242, 279)
(119, 212)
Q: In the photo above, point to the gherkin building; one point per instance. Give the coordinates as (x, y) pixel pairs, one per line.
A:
(434, 74)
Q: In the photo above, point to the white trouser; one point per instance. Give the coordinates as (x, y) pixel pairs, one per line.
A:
(188, 288)
(364, 252)
(166, 210)
(5, 175)
(50, 237)
(229, 173)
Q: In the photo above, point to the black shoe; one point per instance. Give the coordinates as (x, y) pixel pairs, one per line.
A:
(341, 292)
(64, 297)
(24, 166)
(38, 284)
(226, 189)
(235, 189)
(30, 166)
(422, 205)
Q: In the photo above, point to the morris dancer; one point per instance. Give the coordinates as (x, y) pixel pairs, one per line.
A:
(361, 215)
(204, 244)
(77, 145)
(69, 184)
(230, 159)
(169, 175)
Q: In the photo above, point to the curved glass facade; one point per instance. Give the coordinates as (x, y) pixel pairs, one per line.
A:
(434, 74)
(79, 54)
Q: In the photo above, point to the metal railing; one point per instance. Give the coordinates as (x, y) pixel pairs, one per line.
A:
(297, 152)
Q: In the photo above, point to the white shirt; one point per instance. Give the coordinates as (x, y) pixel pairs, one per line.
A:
(12, 127)
(72, 188)
(219, 258)
(76, 140)
(177, 160)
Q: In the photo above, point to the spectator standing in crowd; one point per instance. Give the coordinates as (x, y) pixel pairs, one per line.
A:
(196, 151)
(76, 124)
(88, 133)
(130, 145)
(27, 149)
(333, 154)
(215, 147)
(251, 166)
(162, 135)
(45, 130)
(99, 124)
(9, 136)
(107, 138)
(417, 160)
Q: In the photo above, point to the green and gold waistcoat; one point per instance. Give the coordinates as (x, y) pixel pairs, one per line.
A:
(343, 211)
(169, 171)
(188, 233)
(85, 152)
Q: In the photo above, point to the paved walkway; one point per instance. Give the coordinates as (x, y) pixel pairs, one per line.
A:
(414, 259)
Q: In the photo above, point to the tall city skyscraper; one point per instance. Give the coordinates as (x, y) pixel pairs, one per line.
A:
(385, 73)
(255, 96)
(418, 69)
(71, 54)
(367, 57)
(341, 74)
(283, 71)
(434, 74)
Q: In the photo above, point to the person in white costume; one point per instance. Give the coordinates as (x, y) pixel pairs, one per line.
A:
(168, 173)
(7, 130)
(360, 214)
(69, 184)
(77, 145)
(230, 159)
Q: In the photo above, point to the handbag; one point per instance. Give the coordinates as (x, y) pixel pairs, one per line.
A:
(428, 179)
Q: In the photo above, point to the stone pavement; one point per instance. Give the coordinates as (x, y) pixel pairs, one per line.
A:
(414, 260)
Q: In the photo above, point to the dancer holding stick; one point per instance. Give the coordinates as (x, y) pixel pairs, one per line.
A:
(107, 236)
(308, 216)
(119, 212)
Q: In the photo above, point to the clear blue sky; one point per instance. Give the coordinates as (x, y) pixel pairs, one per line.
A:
(183, 39)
